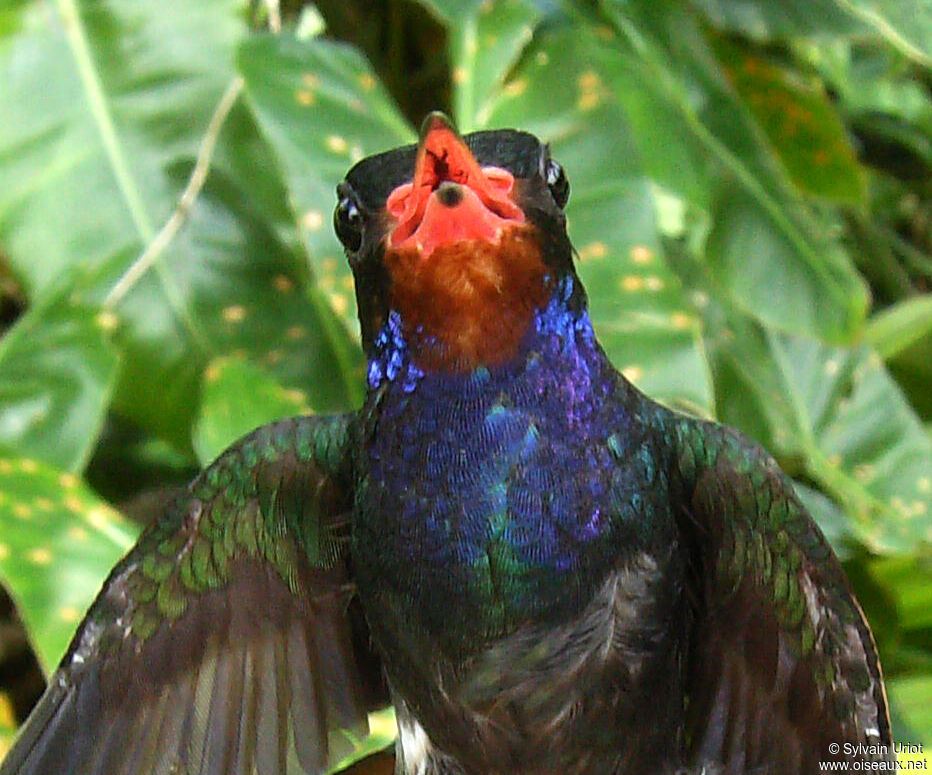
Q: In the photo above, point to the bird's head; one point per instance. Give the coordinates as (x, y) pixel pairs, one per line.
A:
(459, 241)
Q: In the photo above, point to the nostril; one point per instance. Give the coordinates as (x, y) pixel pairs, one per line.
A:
(450, 194)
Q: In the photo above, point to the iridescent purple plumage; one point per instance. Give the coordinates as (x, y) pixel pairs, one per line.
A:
(507, 471)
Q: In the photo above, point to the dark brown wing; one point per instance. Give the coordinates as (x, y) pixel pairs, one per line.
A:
(222, 644)
(783, 672)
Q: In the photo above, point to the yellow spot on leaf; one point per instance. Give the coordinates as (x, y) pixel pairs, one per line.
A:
(22, 510)
(516, 88)
(68, 481)
(283, 284)
(919, 508)
(28, 466)
(641, 254)
(367, 82)
(864, 472)
(234, 313)
(212, 373)
(590, 90)
(632, 282)
(304, 97)
(542, 58)
(294, 395)
(633, 373)
(924, 484)
(593, 250)
(5, 466)
(39, 556)
(310, 80)
(98, 517)
(589, 81)
(336, 144)
(312, 220)
(347, 282)
(587, 101)
(44, 504)
(834, 460)
(106, 320)
(74, 504)
(7, 715)
(4, 551)
(339, 303)
(460, 75)
(77, 534)
(831, 367)
(681, 320)
(653, 283)
(296, 332)
(329, 264)
(69, 614)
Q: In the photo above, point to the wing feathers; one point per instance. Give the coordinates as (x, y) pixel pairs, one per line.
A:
(222, 644)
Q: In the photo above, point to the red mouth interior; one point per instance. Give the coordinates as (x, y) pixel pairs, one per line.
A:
(475, 205)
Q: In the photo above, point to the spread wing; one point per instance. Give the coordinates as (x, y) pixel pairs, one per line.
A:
(225, 642)
(782, 663)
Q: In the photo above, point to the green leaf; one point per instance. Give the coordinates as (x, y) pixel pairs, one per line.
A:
(238, 397)
(382, 730)
(800, 122)
(912, 698)
(7, 724)
(900, 326)
(560, 92)
(674, 53)
(57, 370)
(907, 26)
(762, 270)
(763, 19)
(58, 541)
(321, 108)
(132, 95)
(484, 40)
(125, 92)
(837, 416)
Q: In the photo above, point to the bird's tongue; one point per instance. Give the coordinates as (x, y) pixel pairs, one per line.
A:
(451, 198)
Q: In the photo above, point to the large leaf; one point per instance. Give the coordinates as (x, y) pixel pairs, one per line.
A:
(799, 121)
(765, 19)
(56, 373)
(901, 326)
(561, 91)
(238, 397)
(484, 40)
(96, 167)
(57, 543)
(672, 50)
(322, 109)
(836, 416)
(125, 92)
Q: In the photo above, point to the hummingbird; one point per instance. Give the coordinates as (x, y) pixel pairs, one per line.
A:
(539, 567)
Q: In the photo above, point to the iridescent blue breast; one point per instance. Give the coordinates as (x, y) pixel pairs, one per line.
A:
(494, 497)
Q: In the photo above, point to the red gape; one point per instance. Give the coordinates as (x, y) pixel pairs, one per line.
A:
(451, 198)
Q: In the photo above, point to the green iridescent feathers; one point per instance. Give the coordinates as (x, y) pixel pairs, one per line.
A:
(781, 649)
(223, 641)
(278, 496)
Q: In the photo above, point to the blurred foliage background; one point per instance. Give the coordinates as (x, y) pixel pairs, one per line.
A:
(752, 206)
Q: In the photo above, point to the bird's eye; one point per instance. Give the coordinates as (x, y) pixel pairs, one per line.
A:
(347, 222)
(557, 182)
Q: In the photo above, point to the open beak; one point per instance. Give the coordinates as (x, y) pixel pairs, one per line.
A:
(451, 198)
